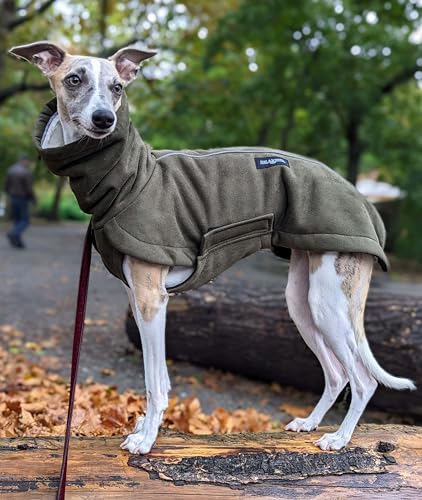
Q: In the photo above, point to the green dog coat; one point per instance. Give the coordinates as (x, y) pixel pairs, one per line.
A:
(205, 208)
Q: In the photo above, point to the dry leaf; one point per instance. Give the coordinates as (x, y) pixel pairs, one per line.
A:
(296, 411)
(33, 402)
(95, 322)
(275, 387)
(107, 372)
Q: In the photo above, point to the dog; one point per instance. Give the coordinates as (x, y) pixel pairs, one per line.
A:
(326, 290)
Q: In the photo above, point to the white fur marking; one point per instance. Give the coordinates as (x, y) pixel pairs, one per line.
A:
(378, 372)
(157, 382)
(95, 101)
(299, 310)
(329, 308)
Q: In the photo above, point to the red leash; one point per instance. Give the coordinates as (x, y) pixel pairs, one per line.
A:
(77, 341)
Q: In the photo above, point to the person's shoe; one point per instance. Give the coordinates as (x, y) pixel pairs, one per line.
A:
(12, 240)
(15, 241)
(19, 242)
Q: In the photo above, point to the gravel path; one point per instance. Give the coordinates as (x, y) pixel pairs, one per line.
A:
(38, 296)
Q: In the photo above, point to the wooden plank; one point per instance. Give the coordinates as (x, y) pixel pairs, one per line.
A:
(99, 469)
(257, 458)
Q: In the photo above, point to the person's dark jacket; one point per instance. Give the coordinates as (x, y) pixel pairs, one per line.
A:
(19, 182)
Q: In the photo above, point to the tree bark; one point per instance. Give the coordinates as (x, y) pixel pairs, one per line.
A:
(285, 131)
(17, 21)
(354, 151)
(102, 23)
(9, 20)
(246, 329)
(8, 10)
(247, 458)
(265, 128)
(20, 87)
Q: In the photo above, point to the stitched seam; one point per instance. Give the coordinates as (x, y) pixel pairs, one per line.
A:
(326, 234)
(147, 242)
(204, 155)
(275, 153)
(230, 241)
(254, 234)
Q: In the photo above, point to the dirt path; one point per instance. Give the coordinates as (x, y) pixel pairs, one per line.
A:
(38, 296)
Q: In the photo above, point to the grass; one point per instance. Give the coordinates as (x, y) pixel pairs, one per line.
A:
(68, 208)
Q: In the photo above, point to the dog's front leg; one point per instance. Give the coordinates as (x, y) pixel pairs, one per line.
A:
(148, 299)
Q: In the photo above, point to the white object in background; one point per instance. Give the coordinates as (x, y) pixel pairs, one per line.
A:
(376, 191)
(2, 206)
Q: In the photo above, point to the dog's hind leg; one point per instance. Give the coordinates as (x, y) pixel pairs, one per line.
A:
(297, 300)
(337, 296)
(330, 297)
(148, 299)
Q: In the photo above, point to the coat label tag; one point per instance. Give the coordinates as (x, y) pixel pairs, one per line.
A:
(271, 161)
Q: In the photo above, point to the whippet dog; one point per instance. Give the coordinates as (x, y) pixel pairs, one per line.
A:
(326, 292)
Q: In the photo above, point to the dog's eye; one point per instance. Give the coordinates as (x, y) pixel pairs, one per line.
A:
(118, 88)
(73, 80)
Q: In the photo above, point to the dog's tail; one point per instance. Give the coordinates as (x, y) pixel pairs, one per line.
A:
(375, 369)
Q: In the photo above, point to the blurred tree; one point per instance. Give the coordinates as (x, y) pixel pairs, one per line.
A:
(314, 77)
(336, 58)
(12, 17)
(397, 147)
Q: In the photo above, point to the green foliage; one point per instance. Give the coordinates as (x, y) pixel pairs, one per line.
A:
(398, 146)
(68, 207)
(16, 120)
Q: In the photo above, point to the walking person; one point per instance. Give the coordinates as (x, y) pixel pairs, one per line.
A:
(18, 186)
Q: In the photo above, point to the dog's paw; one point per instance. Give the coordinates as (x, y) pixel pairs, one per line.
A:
(138, 444)
(301, 425)
(332, 441)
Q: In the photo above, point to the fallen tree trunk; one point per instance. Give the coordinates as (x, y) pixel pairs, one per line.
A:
(237, 327)
(381, 461)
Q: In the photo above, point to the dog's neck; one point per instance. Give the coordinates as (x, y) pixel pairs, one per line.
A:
(104, 174)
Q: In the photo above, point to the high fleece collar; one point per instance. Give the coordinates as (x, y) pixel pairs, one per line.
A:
(105, 174)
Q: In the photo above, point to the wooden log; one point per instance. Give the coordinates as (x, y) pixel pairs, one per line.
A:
(381, 461)
(235, 326)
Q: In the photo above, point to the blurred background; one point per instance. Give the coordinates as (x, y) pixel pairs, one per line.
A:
(337, 80)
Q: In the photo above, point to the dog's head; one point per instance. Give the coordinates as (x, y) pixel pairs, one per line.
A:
(88, 89)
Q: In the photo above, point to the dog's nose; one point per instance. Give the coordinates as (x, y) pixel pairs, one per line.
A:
(103, 118)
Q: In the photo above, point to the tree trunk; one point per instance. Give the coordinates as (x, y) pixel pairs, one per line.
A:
(9, 21)
(55, 208)
(265, 129)
(8, 11)
(285, 131)
(354, 151)
(381, 462)
(246, 329)
(102, 23)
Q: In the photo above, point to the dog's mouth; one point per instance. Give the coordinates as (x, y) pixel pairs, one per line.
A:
(94, 133)
(97, 134)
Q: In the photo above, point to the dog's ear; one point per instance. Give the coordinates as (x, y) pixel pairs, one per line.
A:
(47, 56)
(128, 60)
